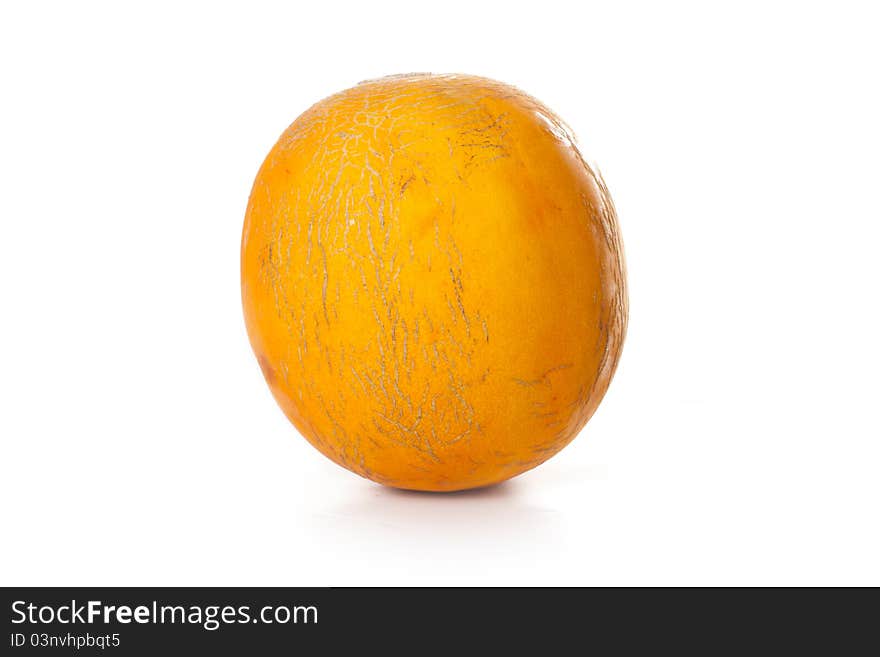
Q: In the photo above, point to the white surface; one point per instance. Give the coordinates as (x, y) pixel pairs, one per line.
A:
(738, 443)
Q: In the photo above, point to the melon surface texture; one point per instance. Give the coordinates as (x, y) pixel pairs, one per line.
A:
(433, 281)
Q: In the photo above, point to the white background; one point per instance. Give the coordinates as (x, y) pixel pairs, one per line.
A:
(738, 443)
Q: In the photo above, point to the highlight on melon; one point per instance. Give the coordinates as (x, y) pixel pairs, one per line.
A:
(433, 281)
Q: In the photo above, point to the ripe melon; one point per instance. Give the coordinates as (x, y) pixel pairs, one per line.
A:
(433, 281)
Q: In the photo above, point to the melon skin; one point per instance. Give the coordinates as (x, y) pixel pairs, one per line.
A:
(433, 281)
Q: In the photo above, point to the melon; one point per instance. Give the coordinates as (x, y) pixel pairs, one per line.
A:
(433, 281)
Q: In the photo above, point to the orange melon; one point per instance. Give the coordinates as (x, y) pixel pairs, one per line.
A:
(433, 281)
